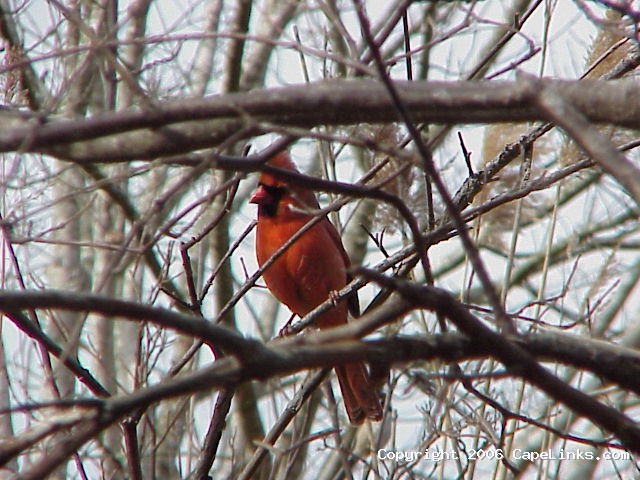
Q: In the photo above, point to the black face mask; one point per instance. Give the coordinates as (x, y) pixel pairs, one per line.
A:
(270, 209)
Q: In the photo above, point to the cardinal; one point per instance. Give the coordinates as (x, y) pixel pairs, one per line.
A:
(309, 272)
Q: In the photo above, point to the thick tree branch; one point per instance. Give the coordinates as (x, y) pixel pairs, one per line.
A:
(288, 356)
(175, 127)
(11, 302)
(591, 140)
(329, 347)
(285, 356)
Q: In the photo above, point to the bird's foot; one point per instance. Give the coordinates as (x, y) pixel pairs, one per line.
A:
(333, 295)
(284, 331)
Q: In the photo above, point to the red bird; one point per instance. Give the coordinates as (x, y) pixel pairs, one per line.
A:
(307, 273)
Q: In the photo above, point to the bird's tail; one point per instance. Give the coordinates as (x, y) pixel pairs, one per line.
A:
(360, 396)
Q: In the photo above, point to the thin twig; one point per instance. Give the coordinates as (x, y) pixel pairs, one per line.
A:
(310, 385)
(502, 318)
(214, 434)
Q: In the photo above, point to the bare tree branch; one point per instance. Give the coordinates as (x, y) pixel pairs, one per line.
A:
(190, 124)
(592, 141)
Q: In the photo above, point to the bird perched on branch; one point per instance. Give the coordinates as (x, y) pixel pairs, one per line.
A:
(309, 272)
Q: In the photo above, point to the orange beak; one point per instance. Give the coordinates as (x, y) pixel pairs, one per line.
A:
(261, 196)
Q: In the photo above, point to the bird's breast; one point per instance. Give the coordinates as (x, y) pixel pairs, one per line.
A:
(308, 271)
